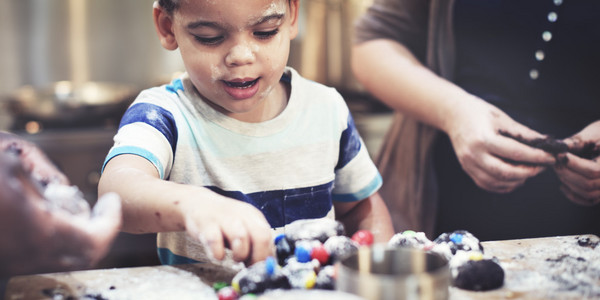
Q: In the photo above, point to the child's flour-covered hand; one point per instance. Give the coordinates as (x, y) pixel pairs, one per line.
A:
(228, 223)
(151, 204)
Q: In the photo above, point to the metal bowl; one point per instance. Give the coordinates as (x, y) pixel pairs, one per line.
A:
(383, 273)
(67, 102)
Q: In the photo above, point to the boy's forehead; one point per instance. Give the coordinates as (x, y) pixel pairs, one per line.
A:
(222, 10)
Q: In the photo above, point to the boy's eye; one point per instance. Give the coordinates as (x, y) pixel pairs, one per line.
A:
(266, 34)
(209, 40)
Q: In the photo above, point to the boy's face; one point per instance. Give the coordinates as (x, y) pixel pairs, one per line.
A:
(234, 51)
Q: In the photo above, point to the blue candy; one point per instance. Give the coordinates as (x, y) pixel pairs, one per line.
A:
(302, 254)
(456, 238)
(270, 264)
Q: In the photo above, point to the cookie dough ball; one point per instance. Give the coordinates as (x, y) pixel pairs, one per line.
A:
(477, 273)
(448, 244)
(301, 275)
(261, 276)
(313, 229)
(340, 247)
(284, 248)
(411, 239)
(326, 278)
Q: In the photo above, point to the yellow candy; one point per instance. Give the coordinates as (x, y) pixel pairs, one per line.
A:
(311, 280)
(476, 256)
(236, 286)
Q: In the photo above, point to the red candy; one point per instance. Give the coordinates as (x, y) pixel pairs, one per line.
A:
(363, 237)
(320, 253)
(227, 293)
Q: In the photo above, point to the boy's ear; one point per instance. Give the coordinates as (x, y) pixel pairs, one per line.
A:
(163, 22)
(294, 8)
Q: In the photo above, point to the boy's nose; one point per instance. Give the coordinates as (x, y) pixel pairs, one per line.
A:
(240, 54)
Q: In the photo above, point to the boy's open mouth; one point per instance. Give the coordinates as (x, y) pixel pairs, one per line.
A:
(241, 84)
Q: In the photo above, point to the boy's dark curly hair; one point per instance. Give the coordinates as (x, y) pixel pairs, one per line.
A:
(169, 5)
(172, 5)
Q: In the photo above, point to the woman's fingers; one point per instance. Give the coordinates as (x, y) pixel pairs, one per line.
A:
(512, 150)
(496, 175)
(581, 179)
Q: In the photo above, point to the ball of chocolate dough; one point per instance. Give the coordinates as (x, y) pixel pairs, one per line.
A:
(479, 275)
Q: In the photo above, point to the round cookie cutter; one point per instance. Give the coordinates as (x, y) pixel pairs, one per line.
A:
(383, 273)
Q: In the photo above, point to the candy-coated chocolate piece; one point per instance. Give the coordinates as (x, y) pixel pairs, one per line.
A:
(310, 280)
(219, 285)
(302, 254)
(320, 253)
(227, 293)
(363, 237)
(456, 238)
(279, 237)
(270, 265)
(409, 233)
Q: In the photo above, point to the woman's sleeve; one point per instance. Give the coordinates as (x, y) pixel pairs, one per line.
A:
(404, 21)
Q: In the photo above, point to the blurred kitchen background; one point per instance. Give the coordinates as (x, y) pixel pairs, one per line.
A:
(70, 68)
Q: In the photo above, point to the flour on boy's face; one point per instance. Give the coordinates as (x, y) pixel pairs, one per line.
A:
(236, 51)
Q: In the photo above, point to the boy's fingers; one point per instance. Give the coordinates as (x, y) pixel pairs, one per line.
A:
(262, 244)
(238, 238)
(212, 239)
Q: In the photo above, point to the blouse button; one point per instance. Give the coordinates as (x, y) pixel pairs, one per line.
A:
(546, 36)
(558, 2)
(552, 16)
(539, 55)
(534, 74)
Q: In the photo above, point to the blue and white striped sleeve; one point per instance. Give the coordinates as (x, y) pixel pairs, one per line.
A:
(147, 130)
(356, 176)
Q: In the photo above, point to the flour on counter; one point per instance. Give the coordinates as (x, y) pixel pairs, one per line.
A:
(572, 267)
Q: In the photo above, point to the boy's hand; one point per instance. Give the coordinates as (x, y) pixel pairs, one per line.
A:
(231, 224)
(580, 175)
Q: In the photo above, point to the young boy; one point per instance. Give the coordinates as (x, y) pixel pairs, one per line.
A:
(240, 144)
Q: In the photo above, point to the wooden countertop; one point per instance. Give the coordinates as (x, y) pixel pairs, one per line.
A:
(566, 267)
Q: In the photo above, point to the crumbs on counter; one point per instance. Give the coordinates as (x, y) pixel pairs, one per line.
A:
(571, 268)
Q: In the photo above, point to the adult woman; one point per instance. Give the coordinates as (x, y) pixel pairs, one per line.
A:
(484, 73)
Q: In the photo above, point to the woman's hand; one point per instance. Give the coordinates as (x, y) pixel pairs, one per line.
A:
(32, 158)
(37, 236)
(495, 162)
(580, 176)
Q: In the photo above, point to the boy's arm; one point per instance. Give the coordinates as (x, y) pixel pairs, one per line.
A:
(154, 205)
(370, 213)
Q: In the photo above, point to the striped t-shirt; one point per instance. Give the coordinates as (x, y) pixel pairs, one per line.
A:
(290, 167)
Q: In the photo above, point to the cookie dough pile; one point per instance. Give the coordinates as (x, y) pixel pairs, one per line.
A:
(470, 268)
(308, 250)
(305, 259)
